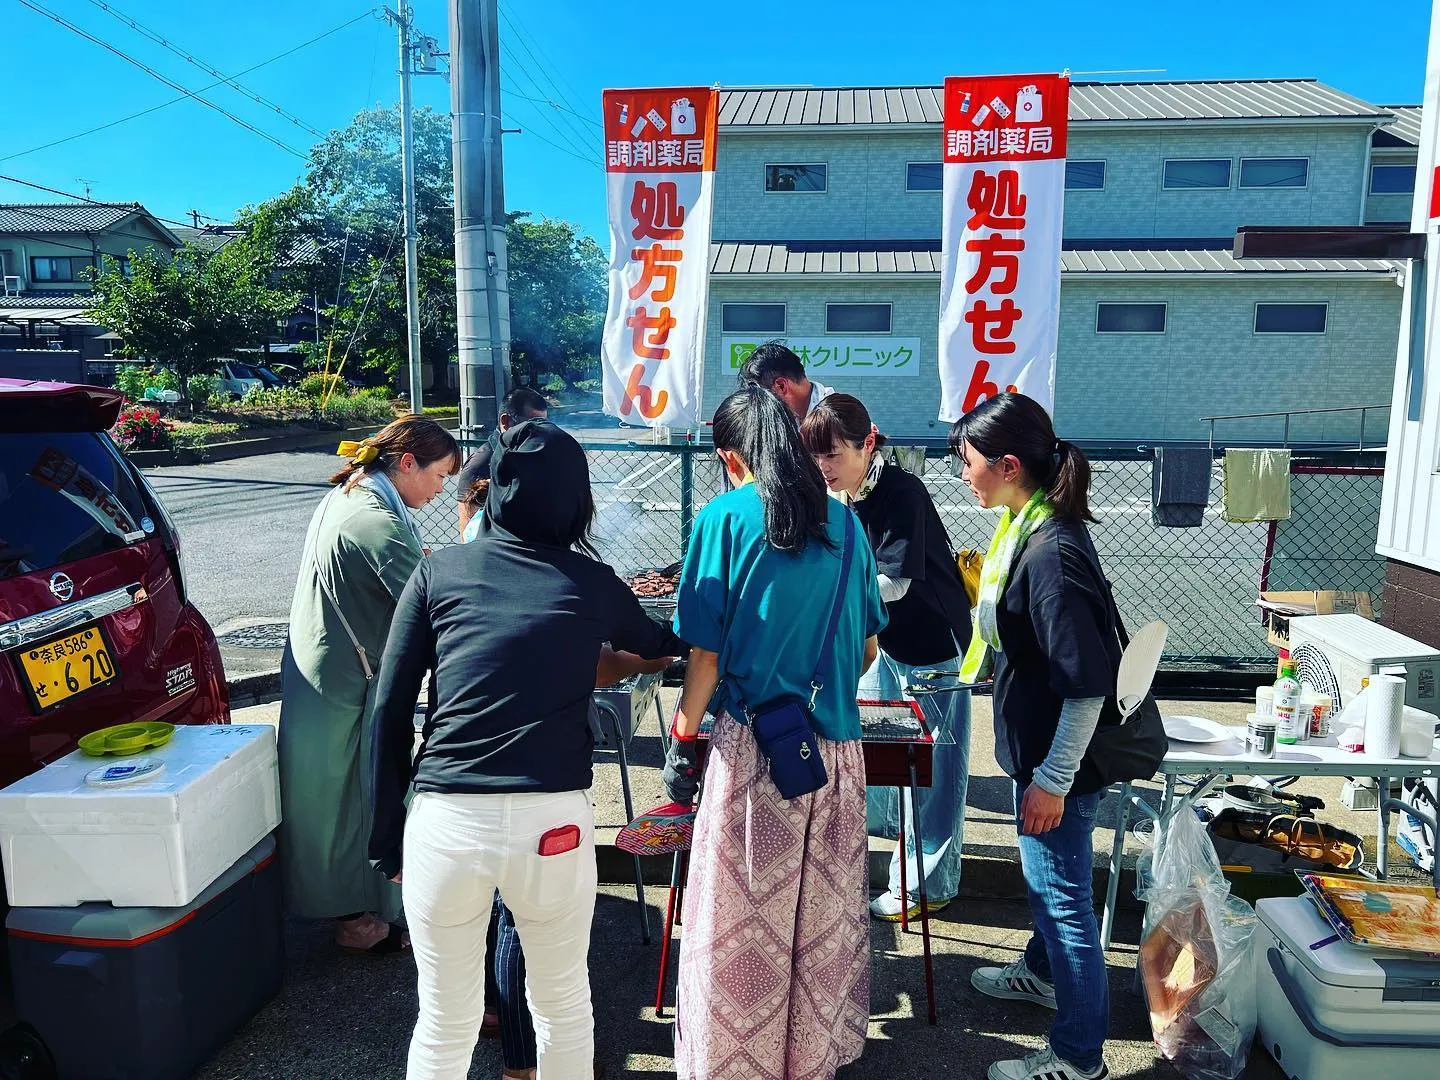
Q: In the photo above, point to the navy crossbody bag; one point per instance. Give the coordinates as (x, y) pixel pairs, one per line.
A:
(784, 728)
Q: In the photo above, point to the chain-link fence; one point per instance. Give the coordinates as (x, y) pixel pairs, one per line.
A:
(1202, 581)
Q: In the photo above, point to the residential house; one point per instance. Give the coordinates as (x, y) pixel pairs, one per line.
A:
(47, 252)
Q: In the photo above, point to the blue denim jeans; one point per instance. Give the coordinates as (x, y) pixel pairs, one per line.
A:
(942, 804)
(1065, 948)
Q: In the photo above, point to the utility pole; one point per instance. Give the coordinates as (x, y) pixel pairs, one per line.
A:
(407, 183)
(481, 265)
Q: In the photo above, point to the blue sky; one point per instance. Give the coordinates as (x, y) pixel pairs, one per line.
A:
(186, 156)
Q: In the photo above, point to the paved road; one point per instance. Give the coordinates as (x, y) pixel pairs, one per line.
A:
(242, 524)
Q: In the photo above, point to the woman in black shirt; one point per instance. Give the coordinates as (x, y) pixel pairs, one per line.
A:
(513, 625)
(929, 625)
(1045, 627)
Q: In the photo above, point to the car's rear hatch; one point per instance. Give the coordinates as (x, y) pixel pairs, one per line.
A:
(89, 596)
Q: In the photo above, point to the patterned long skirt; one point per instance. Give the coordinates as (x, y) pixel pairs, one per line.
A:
(774, 960)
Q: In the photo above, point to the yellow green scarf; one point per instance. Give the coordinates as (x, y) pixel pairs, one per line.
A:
(1005, 546)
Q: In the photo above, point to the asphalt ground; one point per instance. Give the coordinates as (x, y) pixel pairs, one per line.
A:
(342, 1016)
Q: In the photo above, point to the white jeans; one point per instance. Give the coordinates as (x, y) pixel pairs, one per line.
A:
(458, 850)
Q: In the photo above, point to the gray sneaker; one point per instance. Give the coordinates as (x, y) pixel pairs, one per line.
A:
(1014, 982)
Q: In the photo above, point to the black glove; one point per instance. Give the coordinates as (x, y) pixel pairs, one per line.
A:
(681, 774)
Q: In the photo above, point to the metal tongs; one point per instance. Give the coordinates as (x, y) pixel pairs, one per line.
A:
(925, 682)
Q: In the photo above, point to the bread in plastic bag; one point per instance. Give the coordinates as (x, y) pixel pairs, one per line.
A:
(1195, 955)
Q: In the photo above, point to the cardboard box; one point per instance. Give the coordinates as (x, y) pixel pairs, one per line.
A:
(1278, 608)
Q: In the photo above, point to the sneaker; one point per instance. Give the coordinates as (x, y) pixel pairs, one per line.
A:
(1015, 982)
(886, 906)
(1043, 1064)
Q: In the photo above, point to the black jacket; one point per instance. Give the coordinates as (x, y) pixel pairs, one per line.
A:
(512, 628)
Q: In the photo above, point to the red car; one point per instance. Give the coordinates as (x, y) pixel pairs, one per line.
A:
(95, 626)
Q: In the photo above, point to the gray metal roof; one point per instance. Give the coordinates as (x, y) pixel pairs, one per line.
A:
(923, 257)
(35, 218)
(1405, 131)
(1228, 99)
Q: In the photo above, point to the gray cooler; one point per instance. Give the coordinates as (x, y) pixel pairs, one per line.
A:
(150, 993)
(1330, 1010)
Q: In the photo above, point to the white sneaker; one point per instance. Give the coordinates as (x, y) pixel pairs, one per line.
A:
(1015, 982)
(1043, 1064)
(886, 906)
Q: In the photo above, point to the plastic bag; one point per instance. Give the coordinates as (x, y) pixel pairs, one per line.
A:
(1195, 955)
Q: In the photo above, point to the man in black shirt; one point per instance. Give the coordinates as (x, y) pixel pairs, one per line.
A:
(522, 403)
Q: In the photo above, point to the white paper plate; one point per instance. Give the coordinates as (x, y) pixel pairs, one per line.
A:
(1197, 729)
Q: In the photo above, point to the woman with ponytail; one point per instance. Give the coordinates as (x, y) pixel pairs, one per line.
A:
(359, 552)
(778, 880)
(1045, 628)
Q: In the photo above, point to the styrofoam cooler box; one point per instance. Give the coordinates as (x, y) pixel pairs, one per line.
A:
(159, 842)
(1330, 1010)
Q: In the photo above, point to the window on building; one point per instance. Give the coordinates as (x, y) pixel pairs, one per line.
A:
(857, 318)
(1290, 318)
(752, 318)
(1285, 172)
(924, 176)
(1129, 318)
(1084, 175)
(1392, 179)
(52, 268)
(799, 178)
(1197, 173)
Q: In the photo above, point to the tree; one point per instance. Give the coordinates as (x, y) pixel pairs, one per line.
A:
(557, 299)
(345, 215)
(188, 309)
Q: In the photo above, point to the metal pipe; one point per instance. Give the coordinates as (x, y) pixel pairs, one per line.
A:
(407, 188)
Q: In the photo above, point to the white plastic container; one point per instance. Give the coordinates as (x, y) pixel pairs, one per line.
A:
(1265, 700)
(1417, 733)
(155, 843)
(1335, 1011)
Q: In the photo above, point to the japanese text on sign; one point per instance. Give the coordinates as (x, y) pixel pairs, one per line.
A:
(1003, 195)
(839, 357)
(659, 161)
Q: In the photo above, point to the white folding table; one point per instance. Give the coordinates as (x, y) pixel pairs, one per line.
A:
(1212, 762)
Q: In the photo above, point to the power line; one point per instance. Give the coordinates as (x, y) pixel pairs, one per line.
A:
(187, 96)
(90, 202)
(522, 36)
(583, 149)
(38, 9)
(194, 60)
(557, 105)
(572, 132)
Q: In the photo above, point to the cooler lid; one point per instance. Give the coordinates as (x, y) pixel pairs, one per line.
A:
(128, 925)
(1295, 921)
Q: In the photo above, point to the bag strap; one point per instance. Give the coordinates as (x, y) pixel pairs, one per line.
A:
(827, 643)
(329, 595)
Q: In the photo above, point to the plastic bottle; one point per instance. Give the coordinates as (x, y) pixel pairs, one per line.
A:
(1287, 702)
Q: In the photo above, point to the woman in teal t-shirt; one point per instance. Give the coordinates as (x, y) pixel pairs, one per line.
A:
(777, 888)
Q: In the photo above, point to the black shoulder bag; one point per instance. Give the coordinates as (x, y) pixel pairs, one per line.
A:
(1121, 750)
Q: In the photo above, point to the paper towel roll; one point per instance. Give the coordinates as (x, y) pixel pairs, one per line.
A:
(1383, 717)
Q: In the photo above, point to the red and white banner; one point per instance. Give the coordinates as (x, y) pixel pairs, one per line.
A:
(1004, 199)
(660, 175)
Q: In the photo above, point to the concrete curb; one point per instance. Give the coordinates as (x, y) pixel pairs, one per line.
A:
(258, 689)
(240, 448)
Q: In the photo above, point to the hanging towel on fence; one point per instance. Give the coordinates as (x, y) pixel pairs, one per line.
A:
(1257, 485)
(1180, 487)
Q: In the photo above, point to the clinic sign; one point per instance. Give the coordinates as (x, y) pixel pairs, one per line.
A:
(660, 180)
(1003, 197)
(832, 357)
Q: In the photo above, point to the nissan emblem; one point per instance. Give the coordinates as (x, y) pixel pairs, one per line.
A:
(62, 587)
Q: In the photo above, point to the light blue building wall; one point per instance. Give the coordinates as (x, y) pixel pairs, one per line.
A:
(1122, 388)
(866, 196)
(1126, 387)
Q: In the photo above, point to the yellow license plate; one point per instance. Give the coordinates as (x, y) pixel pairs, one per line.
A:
(68, 666)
